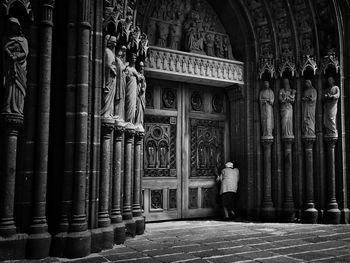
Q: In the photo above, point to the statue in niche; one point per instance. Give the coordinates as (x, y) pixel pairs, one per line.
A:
(219, 51)
(120, 82)
(15, 68)
(110, 73)
(287, 98)
(331, 96)
(309, 109)
(266, 99)
(175, 34)
(209, 45)
(163, 155)
(132, 80)
(151, 31)
(227, 48)
(141, 98)
(163, 32)
(151, 154)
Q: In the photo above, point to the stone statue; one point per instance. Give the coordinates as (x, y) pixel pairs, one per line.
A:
(109, 85)
(175, 34)
(15, 68)
(151, 154)
(266, 99)
(141, 98)
(287, 98)
(219, 51)
(132, 80)
(331, 96)
(120, 82)
(163, 32)
(209, 45)
(227, 48)
(308, 110)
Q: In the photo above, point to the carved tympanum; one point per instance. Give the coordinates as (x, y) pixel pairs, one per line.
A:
(331, 96)
(266, 99)
(15, 68)
(308, 110)
(287, 98)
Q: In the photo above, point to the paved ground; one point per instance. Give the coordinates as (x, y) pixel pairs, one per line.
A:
(221, 242)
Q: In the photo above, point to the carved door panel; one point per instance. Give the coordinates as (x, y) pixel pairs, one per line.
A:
(185, 138)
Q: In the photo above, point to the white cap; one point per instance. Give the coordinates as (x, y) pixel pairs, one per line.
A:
(229, 165)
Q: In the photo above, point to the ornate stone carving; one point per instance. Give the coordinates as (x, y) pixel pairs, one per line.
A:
(141, 99)
(8, 4)
(196, 101)
(287, 98)
(189, 26)
(156, 199)
(330, 61)
(266, 99)
(15, 68)
(287, 64)
(218, 103)
(184, 65)
(266, 65)
(308, 62)
(331, 96)
(169, 98)
(207, 146)
(160, 147)
(309, 99)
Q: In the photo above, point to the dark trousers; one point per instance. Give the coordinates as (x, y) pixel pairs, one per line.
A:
(228, 200)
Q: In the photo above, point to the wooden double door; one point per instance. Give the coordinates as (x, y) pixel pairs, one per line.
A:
(186, 137)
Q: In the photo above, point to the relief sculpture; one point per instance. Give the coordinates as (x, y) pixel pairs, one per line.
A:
(15, 68)
(188, 25)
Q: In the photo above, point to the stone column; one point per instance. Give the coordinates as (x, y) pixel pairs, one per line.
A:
(116, 216)
(78, 242)
(332, 215)
(288, 204)
(104, 220)
(12, 245)
(136, 207)
(127, 212)
(310, 214)
(267, 209)
(39, 240)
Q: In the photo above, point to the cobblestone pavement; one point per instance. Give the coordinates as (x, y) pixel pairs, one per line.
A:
(221, 242)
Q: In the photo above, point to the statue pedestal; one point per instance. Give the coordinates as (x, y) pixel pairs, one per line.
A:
(288, 204)
(332, 214)
(268, 212)
(12, 245)
(309, 214)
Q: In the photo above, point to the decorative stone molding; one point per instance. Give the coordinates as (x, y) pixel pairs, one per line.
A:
(267, 65)
(330, 60)
(287, 64)
(8, 4)
(194, 67)
(308, 62)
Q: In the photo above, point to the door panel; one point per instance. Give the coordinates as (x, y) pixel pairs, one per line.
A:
(186, 132)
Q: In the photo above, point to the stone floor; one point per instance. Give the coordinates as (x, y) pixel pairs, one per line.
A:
(220, 242)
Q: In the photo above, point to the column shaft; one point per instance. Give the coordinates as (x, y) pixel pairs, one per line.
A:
(136, 208)
(127, 212)
(288, 205)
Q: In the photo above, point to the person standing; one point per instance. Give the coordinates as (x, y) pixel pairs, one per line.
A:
(229, 178)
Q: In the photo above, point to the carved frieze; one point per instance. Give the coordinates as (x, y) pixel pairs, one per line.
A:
(207, 146)
(185, 65)
(160, 146)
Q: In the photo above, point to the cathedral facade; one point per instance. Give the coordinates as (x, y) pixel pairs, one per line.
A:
(116, 113)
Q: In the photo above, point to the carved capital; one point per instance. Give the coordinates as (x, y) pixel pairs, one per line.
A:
(11, 122)
(107, 127)
(118, 132)
(139, 136)
(309, 141)
(267, 140)
(288, 139)
(331, 139)
(129, 134)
